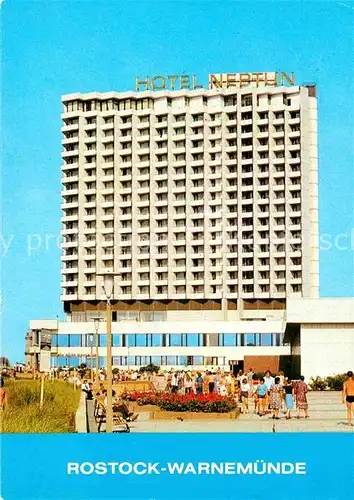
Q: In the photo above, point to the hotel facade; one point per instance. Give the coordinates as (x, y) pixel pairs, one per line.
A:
(204, 203)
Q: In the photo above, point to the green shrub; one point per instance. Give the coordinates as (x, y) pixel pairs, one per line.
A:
(318, 384)
(150, 368)
(335, 382)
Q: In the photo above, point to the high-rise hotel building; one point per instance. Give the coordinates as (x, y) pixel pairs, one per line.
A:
(196, 199)
(204, 203)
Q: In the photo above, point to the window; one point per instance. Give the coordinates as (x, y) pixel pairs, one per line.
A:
(102, 340)
(251, 339)
(266, 339)
(246, 100)
(155, 340)
(182, 360)
(74, 361)
(62, 360)
(192, 340)
(63, 341)
(102, 361)
(75, 340)
(129, 340)
(116, 340)
(140, 340)
(229, 339)
(175, 340)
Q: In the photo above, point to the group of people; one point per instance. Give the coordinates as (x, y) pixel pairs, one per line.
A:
(277, 393)
(269, 393)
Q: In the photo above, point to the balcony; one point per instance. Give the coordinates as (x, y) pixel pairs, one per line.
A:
(70, 128)
(69, 166)
(66, 284)
(69, 154)
(68, 206)
(66, 258)
(143, 125)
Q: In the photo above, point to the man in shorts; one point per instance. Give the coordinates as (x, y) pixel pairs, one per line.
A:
(348, 396)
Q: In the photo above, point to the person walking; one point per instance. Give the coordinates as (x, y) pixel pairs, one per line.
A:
(276, 398)
(222, 388)
(211, 382)
(85, 387)
(268, 382)
(249, 375)
(199, 384)
(188, 382)
(289, 397)
(244, 392)
(348, 396)
(281, 377)
(3, 395)
(300, 392)
(168, 382)
(174, 383)
(239, 377)
(261, 395)
(233, 392)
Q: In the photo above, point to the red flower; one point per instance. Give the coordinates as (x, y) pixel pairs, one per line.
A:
(178, 402)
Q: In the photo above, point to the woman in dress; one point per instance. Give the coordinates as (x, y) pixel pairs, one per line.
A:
(300, 391)
(276, 397)
(233, 392)
(188, 382)
(289, 397)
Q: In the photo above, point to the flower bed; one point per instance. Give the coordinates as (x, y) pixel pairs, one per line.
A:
(206, 403)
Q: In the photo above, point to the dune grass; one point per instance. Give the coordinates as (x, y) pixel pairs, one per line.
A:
(24, 415)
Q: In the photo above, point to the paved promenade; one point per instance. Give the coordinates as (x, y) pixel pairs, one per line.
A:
(327, 414)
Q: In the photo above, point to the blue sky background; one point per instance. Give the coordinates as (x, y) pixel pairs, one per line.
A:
(53, 47)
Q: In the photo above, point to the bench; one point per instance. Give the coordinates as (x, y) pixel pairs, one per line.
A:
(100, 414)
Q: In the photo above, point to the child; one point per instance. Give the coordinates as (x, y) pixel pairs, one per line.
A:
(261, 392)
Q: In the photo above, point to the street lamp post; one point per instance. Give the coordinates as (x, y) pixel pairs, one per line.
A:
(108, 286)
(97, 325)
(91, 356)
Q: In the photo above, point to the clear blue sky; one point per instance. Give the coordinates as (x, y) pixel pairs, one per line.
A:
(51, 48)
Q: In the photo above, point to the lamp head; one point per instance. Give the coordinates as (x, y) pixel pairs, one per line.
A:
(108, 283)
(96, 322)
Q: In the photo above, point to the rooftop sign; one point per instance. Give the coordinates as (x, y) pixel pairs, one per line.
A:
(216, 81)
